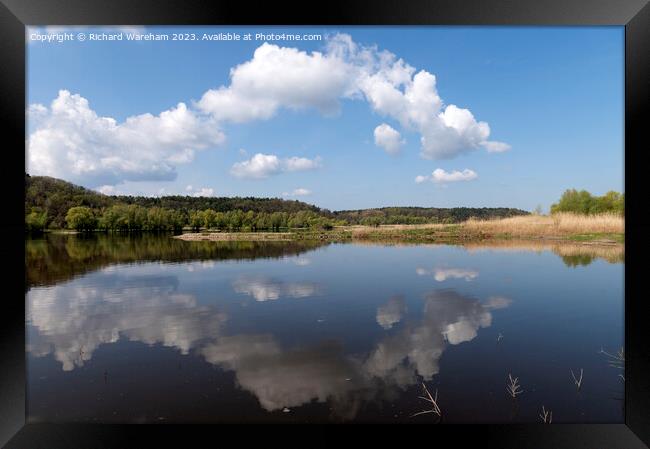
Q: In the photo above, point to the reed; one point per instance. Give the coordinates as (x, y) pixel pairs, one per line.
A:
(577, 381)
(546, 416)
(559, 224)
(431, 399)
(513, 388)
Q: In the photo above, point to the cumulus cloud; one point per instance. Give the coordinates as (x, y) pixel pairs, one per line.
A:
(264, 165)
(108, 190)
(198, 192)
(301, 163)
(440, 176)
(284, 77)
(496, 147)
(388, 138)
(71, 141)
(279, 77)
(297, 192)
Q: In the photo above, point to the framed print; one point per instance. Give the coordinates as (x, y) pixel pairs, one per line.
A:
(384, 214)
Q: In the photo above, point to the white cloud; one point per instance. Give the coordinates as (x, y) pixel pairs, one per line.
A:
(202, 191)
(388, 138)
(264, 165)
(440, 176)
(301, 163)
(284, 77)
(496, 147)
(108, 190)
(278, 77)
(297, 192)
(71, 141)
(259, 166)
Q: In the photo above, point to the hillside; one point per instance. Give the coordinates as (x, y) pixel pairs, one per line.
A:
(54, 197)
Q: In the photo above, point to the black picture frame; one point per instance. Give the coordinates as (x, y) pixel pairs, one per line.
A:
(16, 14)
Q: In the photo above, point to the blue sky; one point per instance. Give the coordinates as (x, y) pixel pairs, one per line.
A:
(334, 129)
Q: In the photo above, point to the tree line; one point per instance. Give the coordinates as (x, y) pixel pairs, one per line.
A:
(131, 217)
(56, 204)
(583, 202)
(422, 215)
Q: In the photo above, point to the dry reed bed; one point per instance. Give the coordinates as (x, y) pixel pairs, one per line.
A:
(560, 224)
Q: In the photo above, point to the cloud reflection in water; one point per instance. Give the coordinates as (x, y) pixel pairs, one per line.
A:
(71, 320)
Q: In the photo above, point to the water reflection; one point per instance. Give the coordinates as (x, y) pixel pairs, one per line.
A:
(391, 312)
(264, 289)
(572, 254)
(442, 274)
(58, 257)
(371, 346)
(72, 320)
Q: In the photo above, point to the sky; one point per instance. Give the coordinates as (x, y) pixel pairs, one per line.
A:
(357, 117)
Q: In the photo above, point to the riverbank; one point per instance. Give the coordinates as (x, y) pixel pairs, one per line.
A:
(603, 229)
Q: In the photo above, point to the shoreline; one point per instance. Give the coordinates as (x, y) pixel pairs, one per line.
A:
(449, 234)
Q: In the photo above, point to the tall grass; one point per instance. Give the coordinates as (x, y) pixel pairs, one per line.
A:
(558, 224)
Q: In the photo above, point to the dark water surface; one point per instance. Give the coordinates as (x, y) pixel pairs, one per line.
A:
(152, 329)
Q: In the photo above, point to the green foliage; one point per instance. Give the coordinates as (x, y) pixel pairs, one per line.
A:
(51, 199)
(81, 218)
(36, 220)
(583, 202)
(421, 215)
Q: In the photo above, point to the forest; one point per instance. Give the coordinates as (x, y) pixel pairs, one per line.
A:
(52, 203)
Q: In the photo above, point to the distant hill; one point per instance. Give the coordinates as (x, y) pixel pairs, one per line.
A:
(56, 197)
(416, 215)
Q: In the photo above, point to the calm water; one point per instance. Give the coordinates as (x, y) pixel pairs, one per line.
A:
(151, 329)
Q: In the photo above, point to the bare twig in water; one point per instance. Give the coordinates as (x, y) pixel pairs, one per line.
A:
(615, 360)
(433, 400)
(578, 382)
(513, 388)
(546, 415)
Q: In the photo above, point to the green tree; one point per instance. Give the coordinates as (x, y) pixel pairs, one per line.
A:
(209, 218)
(197, 219)
(81, 218)
(582, 202)
(36, 220)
